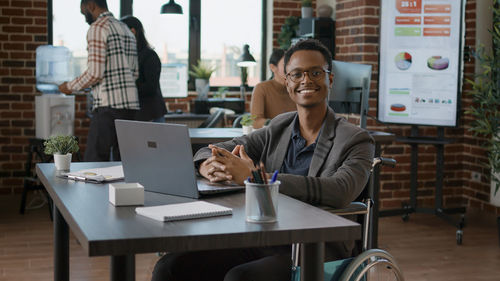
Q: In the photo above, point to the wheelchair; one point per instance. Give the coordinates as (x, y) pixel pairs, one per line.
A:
(370, 264)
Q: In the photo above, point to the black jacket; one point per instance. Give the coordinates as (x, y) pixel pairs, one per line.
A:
(148, 86)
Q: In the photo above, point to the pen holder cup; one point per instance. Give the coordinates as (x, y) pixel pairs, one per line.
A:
(261, 201)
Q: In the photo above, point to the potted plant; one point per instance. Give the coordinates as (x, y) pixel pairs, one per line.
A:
(486, 103)
(202, 72)
(307, 10)
(288, 31)
(62, 148)
(221, 93)
(247, 123)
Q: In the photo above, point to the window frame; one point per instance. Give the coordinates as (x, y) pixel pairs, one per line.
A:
(194, 45)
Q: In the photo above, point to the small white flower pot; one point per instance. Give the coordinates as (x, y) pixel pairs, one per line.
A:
(307, 12)
(247, 129)
(62, 161)
(202, 88)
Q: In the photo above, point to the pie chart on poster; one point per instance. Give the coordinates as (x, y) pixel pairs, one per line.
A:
(398, 107)
(403, 60)
(438, 63)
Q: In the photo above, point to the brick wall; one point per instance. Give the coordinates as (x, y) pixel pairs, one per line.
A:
(357, 29)
(282, 9)
(22, 29)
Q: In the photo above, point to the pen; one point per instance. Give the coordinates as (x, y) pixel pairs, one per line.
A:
(263, 173)
(274, 177)
(256, 177)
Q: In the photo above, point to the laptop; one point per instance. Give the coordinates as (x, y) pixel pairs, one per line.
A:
(159, 156)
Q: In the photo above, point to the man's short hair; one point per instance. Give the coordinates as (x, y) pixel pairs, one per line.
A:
(309, 45)
(100, 3)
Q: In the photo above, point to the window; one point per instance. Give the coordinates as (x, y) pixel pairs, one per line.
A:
(168, 35)
(179, 40)
(70, 30)
(225, 27)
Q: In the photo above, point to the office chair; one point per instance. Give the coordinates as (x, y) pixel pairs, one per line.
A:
(213, 120)
(237, 122)
(36, 154)
(351, 89)
(370, 264)
(31, 181)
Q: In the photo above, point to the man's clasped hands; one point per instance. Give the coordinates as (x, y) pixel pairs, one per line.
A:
(223, 165)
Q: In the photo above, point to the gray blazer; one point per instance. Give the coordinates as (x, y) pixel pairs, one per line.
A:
(340, 165)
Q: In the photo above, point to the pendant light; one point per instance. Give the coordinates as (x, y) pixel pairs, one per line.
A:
(171, 8)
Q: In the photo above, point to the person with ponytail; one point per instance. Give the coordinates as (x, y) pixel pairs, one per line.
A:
(148, 84)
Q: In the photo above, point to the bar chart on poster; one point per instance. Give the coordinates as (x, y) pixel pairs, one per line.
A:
(420, 68)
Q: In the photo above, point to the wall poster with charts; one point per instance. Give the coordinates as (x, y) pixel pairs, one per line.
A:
(420, 68)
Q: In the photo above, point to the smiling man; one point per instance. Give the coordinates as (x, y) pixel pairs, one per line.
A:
(321, 158)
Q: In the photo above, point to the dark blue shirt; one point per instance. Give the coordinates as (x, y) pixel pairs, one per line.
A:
(298, 157)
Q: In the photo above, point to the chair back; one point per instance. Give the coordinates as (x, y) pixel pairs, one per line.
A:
(36, 154)
(351, 89)
(213, 120)
(237, 122)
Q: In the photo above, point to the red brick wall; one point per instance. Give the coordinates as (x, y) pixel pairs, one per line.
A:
(357, 23)
(282, 9)
(22, 29)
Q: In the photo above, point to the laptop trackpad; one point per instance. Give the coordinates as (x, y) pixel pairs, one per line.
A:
(205, 186)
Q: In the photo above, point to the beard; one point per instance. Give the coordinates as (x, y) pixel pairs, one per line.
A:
(89, 18)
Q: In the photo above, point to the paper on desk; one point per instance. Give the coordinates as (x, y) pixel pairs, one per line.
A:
(106, 174)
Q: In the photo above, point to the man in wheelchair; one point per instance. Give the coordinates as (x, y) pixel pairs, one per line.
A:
(322, 159)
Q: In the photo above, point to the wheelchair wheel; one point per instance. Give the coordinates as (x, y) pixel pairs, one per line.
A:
(373, 265)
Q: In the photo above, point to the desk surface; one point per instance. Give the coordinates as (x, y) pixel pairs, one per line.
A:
(214, 135)
(103, 229)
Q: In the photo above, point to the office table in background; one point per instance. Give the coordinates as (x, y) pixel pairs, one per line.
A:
(105, 230)
(193, 120)
(213, 135)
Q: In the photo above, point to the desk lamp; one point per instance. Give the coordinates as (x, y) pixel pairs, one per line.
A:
(244, 61)
(171, 8)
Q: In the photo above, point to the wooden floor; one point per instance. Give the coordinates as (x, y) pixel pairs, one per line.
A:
(425, 248)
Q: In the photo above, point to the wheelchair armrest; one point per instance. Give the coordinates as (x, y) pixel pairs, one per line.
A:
(354, 208)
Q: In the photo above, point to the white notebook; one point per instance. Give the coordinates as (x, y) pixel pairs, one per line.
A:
(183, 211)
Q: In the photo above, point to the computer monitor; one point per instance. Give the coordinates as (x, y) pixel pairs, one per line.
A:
(351, 89)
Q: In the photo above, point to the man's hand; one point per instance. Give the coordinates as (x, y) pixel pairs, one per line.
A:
(236, 163)
(63, 88)
(213, 170)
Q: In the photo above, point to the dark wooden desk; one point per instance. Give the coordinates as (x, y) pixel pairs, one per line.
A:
(105, 230)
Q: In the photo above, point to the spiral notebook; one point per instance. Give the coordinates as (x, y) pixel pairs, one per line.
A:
(183, 211)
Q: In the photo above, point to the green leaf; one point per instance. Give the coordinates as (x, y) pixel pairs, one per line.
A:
(248, 119)
(61, 145)
(201, 70)
(486, 98)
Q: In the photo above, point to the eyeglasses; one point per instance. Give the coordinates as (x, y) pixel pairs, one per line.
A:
(314, 74)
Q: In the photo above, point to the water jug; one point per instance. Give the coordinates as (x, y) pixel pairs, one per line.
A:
(52, 67)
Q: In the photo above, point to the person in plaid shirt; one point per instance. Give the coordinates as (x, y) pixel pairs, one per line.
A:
(112, 68)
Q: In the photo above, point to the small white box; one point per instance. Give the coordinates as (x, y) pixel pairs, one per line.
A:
(126, 194)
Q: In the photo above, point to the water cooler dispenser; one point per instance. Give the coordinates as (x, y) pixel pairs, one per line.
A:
(54, 112)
